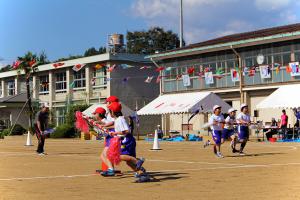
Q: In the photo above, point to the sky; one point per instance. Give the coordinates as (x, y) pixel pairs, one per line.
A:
(68, 27)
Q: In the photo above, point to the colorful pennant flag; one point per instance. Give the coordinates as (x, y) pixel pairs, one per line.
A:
(55, 65)
(112, 68)
(149, 79)
(16, 64)
(99, 66)
(219, 73)
(78, 67)
(158, 69)
(252, 72)
(145, 67)
(294, 69)
(235, 76)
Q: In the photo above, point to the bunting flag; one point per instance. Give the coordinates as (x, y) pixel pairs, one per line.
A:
(207, 69)
(112, 68)
(277, 67)
(149, 79)
(178, 77)
(186, 80)
(108, 79)
(288, 69)
(191, 70)
(235, 76)
(294, 69)
(32, 63)
(99, 66)
(124, 66)
(219, 73)
(55, 65)
(158, 79)
(145, 67)
(125, 80)
(93, 81)
(245, 71)
(168, 68)
(252, 72)
(200, 75)
(209, 79)
(265, 71)
(78, 67)
(158, 69)
(16, 64)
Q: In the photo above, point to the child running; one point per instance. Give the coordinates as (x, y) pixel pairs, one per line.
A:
(217, 121)
(243, 120)
(228, 131)
(128, 143)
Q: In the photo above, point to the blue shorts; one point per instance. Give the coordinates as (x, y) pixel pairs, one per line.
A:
(243, 132)
(128, 145)
(216, 135)
(227, 133)
(108, 137)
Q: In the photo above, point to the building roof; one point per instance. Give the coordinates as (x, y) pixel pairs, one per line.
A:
(233, 39)
(101, 58)
(19, 98)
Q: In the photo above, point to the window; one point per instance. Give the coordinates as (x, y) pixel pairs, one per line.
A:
(61, 82)
(11, 88)
(44, 84)
(99, 77)
(79, 79)
(60, 116)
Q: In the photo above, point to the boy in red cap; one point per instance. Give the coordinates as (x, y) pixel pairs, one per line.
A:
(128, 143)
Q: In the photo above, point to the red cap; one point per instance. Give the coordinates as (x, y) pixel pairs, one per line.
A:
(112, 99)
(100, 110)
(115, 107)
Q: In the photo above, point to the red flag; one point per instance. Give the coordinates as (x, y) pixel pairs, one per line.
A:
(288, 69)
(112, 68)
(78, 67)
(158, 69)
(251, 72)
(16, 64)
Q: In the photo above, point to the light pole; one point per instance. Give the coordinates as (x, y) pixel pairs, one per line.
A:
(240, 74)
(181, 24)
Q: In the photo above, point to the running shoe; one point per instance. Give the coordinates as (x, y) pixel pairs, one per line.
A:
(234, 150)
(143, 178)
(206, 144)
(140, 163)
(41, 154)
(219, 155)
(242, 153)
(109, 172)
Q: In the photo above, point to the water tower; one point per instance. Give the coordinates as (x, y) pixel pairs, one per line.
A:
(115, 43)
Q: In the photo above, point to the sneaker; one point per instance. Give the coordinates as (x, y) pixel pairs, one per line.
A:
(242, 153)
(234, 150)
(206, 144)
(140, 163)
(219, 155)
(41, 154)
(109, 172)
(143, 178)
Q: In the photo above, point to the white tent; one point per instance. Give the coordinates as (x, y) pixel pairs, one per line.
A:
(284, 97)
(183, 103)
(125, 109)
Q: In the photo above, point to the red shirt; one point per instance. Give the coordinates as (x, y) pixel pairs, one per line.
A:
(284, 120)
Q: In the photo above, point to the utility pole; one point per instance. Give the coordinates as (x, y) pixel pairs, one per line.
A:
(241, 70)
(181, 24)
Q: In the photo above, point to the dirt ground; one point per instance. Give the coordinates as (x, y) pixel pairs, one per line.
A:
(182, 170)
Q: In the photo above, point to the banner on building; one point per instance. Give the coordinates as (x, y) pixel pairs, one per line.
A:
(186, 80)
(209, 78)
(294, 69)
(235, 76)
(78, 67)
(265, 71)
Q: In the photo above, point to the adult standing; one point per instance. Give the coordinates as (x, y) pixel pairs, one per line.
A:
(40, 125)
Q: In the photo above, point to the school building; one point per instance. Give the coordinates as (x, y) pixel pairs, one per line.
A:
(262, 58)
(103, 75)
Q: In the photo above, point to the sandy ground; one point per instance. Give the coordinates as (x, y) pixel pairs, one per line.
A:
(180, 171)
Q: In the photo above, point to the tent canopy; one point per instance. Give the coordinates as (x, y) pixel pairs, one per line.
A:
(125, 110)
(183, 103)
(287, 96)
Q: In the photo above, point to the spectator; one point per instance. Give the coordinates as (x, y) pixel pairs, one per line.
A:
(270, 131)
(297, 114)
(160, 133)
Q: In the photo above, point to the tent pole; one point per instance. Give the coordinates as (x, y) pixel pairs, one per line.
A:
(182, 124)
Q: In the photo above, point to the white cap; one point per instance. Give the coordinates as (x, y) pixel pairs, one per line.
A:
(231, 110)
(45, 105)
(243, 105)
(215, 107)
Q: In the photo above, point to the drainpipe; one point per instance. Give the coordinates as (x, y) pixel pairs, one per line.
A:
(240, 74)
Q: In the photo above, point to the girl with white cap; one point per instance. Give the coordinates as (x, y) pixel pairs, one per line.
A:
(217, 121)
(228, 131)
(243, 120)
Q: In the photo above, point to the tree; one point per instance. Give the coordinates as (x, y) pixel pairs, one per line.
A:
(148, 42)
(93, 51)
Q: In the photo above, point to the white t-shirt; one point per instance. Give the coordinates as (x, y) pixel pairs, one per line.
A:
(218, 118)
(230, 121)
(244, 117)
(121, 124)
(109, 118)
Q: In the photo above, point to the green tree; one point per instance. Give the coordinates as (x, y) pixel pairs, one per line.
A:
(148, 42)
(93, 51)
